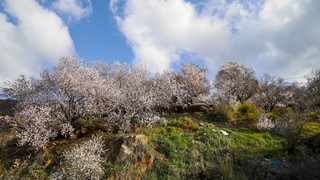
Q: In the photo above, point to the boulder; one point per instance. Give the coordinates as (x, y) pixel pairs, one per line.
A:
(131, 150)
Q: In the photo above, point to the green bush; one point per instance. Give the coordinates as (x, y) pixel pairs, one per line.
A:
(219, 113)
(279, 112)
(245, 114)
(310, 129)
(187, 123)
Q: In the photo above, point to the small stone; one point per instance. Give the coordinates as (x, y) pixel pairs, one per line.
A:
(224, 132)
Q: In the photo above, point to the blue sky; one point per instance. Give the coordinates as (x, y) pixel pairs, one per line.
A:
(98, 38)
(271, 36)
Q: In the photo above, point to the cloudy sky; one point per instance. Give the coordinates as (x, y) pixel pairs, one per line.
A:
(278, 37)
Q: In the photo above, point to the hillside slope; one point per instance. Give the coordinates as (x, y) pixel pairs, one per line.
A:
(187, 147)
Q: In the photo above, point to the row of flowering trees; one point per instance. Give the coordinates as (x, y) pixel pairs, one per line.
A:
(236, 83)
(125, 96)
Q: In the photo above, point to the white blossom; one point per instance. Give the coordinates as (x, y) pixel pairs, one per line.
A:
(313, 87)
(124, 96)
(37, 126)
(272, 91)
(235, 81)
(265, 123)
(84, 161)
(66, 129)
(183, 88)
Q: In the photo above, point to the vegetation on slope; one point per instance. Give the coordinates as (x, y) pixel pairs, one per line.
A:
(97, 121)
(190, 146)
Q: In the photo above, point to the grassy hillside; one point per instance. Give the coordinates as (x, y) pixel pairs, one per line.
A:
(190, 146)
(195, 148)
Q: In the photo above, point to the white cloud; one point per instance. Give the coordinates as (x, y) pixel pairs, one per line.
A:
(159, 30)
(279, 37)
(73, 9)
(31, 38)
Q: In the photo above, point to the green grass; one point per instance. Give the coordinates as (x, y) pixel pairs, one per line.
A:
(191, 152)
(310, 129)
(191, 146)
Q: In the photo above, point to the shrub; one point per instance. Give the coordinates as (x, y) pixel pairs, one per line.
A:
(278, 112)
(265, 123)
(219, 113)
(245, 114)
(310, 129)
(84, 161)
(187, 123)
(290, 125)
(245, 108)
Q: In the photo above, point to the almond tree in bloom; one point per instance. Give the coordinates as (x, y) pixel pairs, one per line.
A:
(168, 91)
(135, 99)
(102, 95)
(235, 81)
(36, 126)
(313, 86)
(272, 91)
(124, 96)
(49, 105)
(196, 82)
(299, 97)
(176, 90)
(70, 82)
(77, 91)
